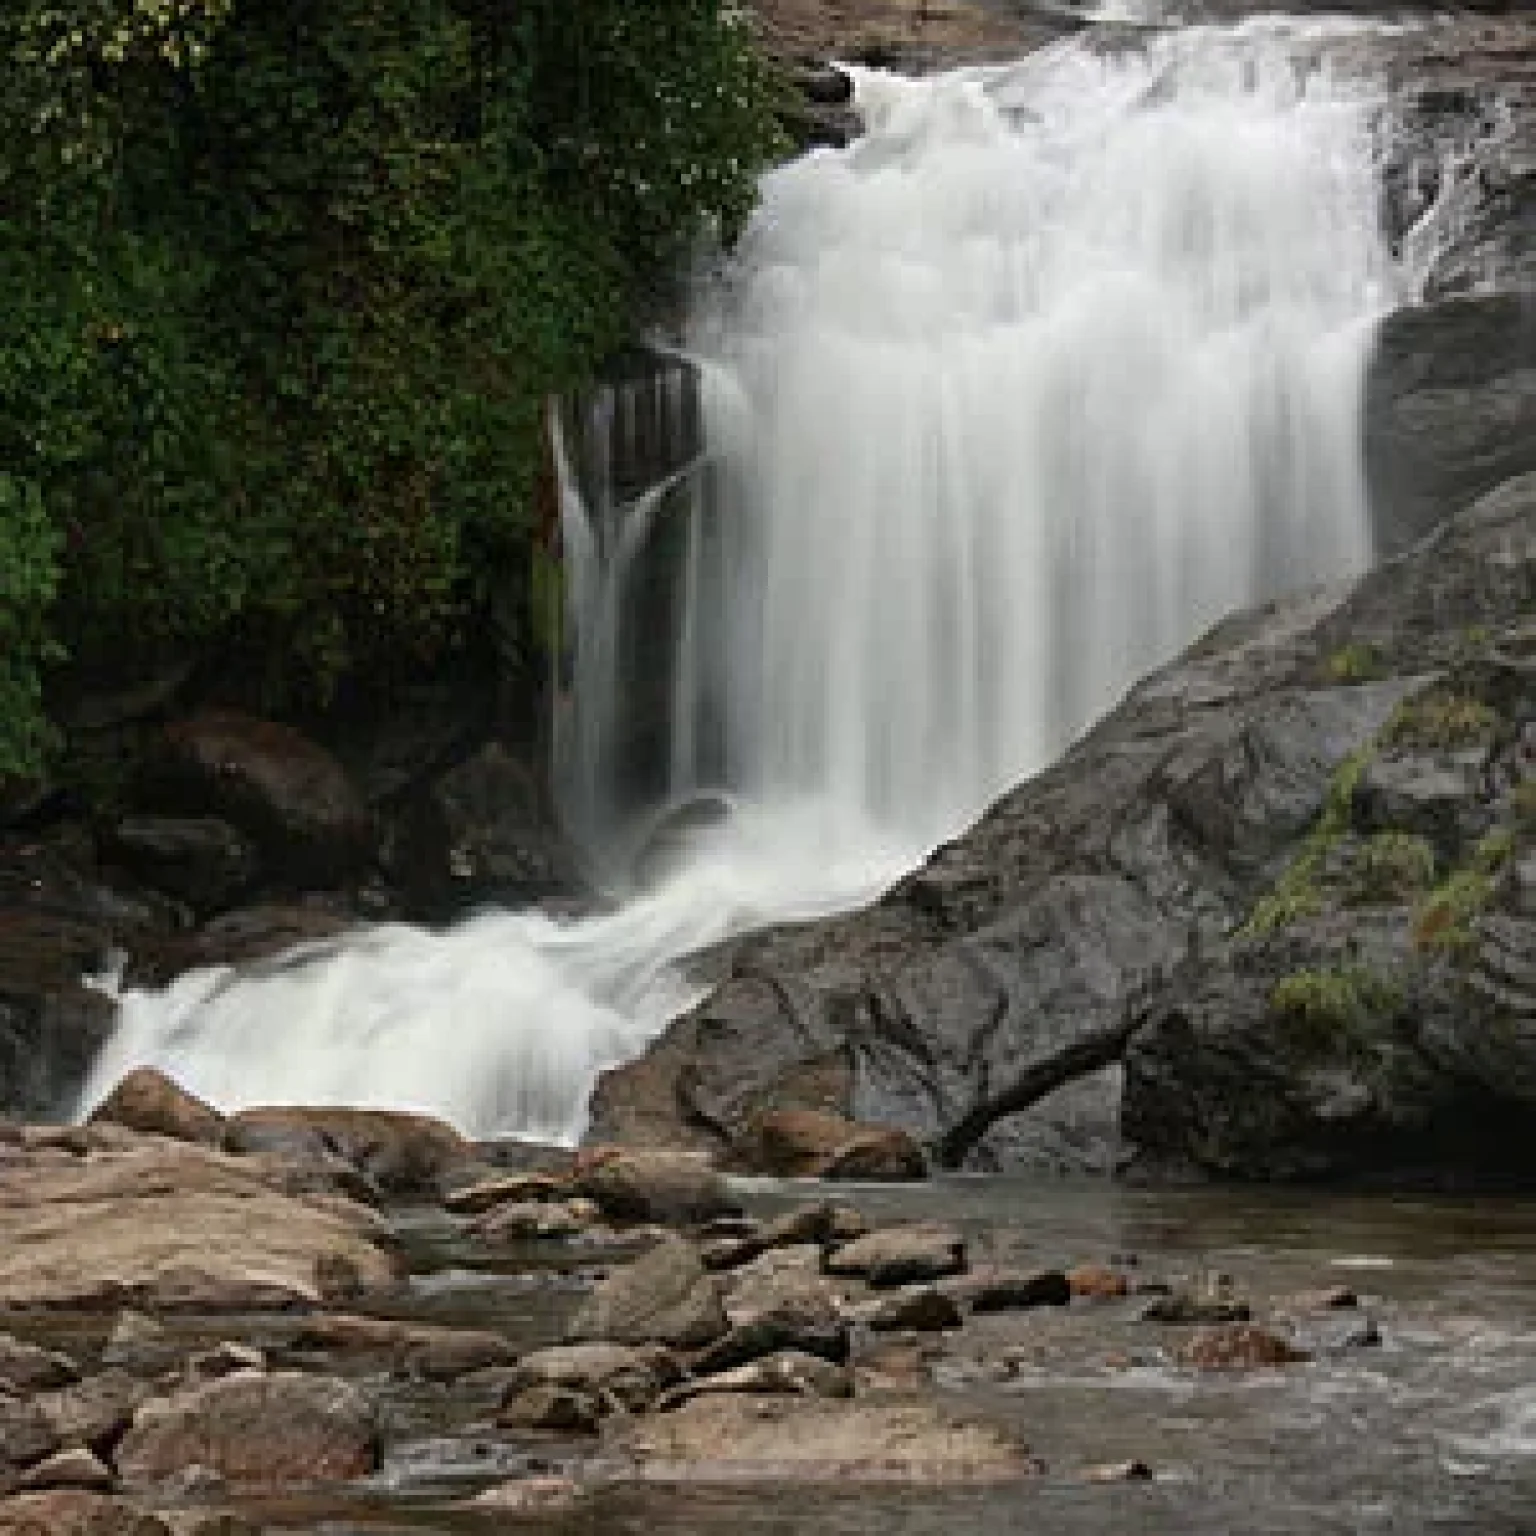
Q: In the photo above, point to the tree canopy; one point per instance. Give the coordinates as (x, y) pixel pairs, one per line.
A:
(283, 288)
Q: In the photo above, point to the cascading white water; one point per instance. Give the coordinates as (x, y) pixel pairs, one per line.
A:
(1052, 368)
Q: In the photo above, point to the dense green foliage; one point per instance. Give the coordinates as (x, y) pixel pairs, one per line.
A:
(285, 288)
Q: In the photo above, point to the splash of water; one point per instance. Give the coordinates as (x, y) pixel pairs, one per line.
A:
(1055, 366)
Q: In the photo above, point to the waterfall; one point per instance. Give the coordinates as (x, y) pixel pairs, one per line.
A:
(1057, 364)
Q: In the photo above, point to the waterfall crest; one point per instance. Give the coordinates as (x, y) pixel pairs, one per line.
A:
(1056, 365)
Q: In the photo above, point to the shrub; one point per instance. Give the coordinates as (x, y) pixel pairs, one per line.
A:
(287, 288)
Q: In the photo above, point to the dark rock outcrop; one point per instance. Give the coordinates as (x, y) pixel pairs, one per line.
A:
(1108, 911)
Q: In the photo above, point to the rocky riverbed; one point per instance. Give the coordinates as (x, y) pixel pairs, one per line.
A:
(373, 1327)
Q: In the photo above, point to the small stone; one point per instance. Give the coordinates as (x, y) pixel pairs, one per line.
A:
(1097, 1281)
(788, 1373)
(528, 1493)
(73, 1468)
(1212, 1299)
(139, 1343)
(827, 1221)
(519, 1221)
(224, 1359)
(29, 1368)
(1118, 1472)
(920, 1310)
(147, 1100)
(513, 1189)
(812, 1144)
(995, 1289)
(1238, 1347)
(95, 1412)
(902, 1255)
(1333, 1298)
(255, 1432)
(429, 1350)
(664, 1297)
(721, 1253)
(565, 1410)
(631, 1185)
(26, 1436)
(612, 1374)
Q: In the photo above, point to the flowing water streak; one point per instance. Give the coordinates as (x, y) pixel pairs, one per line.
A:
(1055, 366)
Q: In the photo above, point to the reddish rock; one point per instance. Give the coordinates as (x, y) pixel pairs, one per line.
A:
(812, 1144)
(1238, 1347)
(256, 1432)
(1098, 1281)
(149, 1101)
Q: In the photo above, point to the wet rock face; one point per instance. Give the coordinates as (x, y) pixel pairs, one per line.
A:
(1451, 391)
(1450, 408)
(1085, 961)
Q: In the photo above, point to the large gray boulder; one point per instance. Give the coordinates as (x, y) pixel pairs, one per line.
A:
(989, 1003)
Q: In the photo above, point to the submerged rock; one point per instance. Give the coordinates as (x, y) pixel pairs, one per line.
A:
(736, 1437)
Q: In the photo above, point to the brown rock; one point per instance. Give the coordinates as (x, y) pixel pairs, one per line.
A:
(901, 1255)
(94, 1413)
(149, 1101)
(256, 1432)
(75, 1513)
(26, 1436)
(632, 1374)
(1118, 1472)
(73, 1468)
(514, 1188)
(139, 1343)
(735, 1437)
(1238, 1347)
(523, 1220)
(287, 793)
(665, 1297)
(162, 1224)
(811, 1144)
(413, 1349)
(640, 1185)
(563, 1410)
(224, 1359)
(788, 1373)
(404, 1154)
(920, 1309)
(29, 1368)
(784, 1283)
(993, 1288)
(525, 1493)
(1098, 1281)
(826, 1221)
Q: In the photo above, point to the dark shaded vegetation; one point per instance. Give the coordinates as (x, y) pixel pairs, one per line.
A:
(285, 289)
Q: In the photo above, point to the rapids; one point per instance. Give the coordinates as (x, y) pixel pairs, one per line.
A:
(1054, 366)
